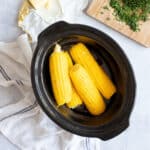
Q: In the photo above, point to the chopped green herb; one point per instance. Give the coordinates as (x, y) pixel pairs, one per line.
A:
(107, 18)
(106, 7)
(131, 11)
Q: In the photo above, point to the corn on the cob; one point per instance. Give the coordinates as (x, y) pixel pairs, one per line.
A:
(76, 100)
(87, 90)
(59, 71)
(81, 55)
(69, 59)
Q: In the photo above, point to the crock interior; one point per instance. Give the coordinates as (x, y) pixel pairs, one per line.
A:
(109, 62)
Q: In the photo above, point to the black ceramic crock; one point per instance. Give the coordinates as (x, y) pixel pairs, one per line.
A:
(110, 56)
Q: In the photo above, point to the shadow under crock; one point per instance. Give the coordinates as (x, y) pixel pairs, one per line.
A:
(110, 56)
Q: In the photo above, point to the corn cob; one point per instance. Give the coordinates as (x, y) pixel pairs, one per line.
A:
(76, 100)
(81, 55)
(59, 71)
(69, 59)
(87, 90)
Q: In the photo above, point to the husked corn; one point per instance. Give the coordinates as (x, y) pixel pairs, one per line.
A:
(69, 59)
(76, 100)
(59, 72)
(82, 55)
(87, 90)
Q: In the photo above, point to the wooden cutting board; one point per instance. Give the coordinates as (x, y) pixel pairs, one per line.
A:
(97, 9)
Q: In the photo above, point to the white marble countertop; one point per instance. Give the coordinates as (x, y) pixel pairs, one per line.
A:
(138, 134)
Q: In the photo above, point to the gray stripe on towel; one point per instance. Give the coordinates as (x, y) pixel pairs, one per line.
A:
(4, 73)
(6, 76)
(21, 111)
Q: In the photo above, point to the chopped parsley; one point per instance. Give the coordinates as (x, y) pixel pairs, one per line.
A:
(106, 7)
(131, 11)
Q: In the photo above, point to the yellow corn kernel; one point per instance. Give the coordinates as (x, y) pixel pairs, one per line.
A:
(76, 100)
(82, 55)
(87, 90)
(59, 72)
(69, 59)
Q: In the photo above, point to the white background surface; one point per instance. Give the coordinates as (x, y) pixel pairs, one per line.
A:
(138, 134)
